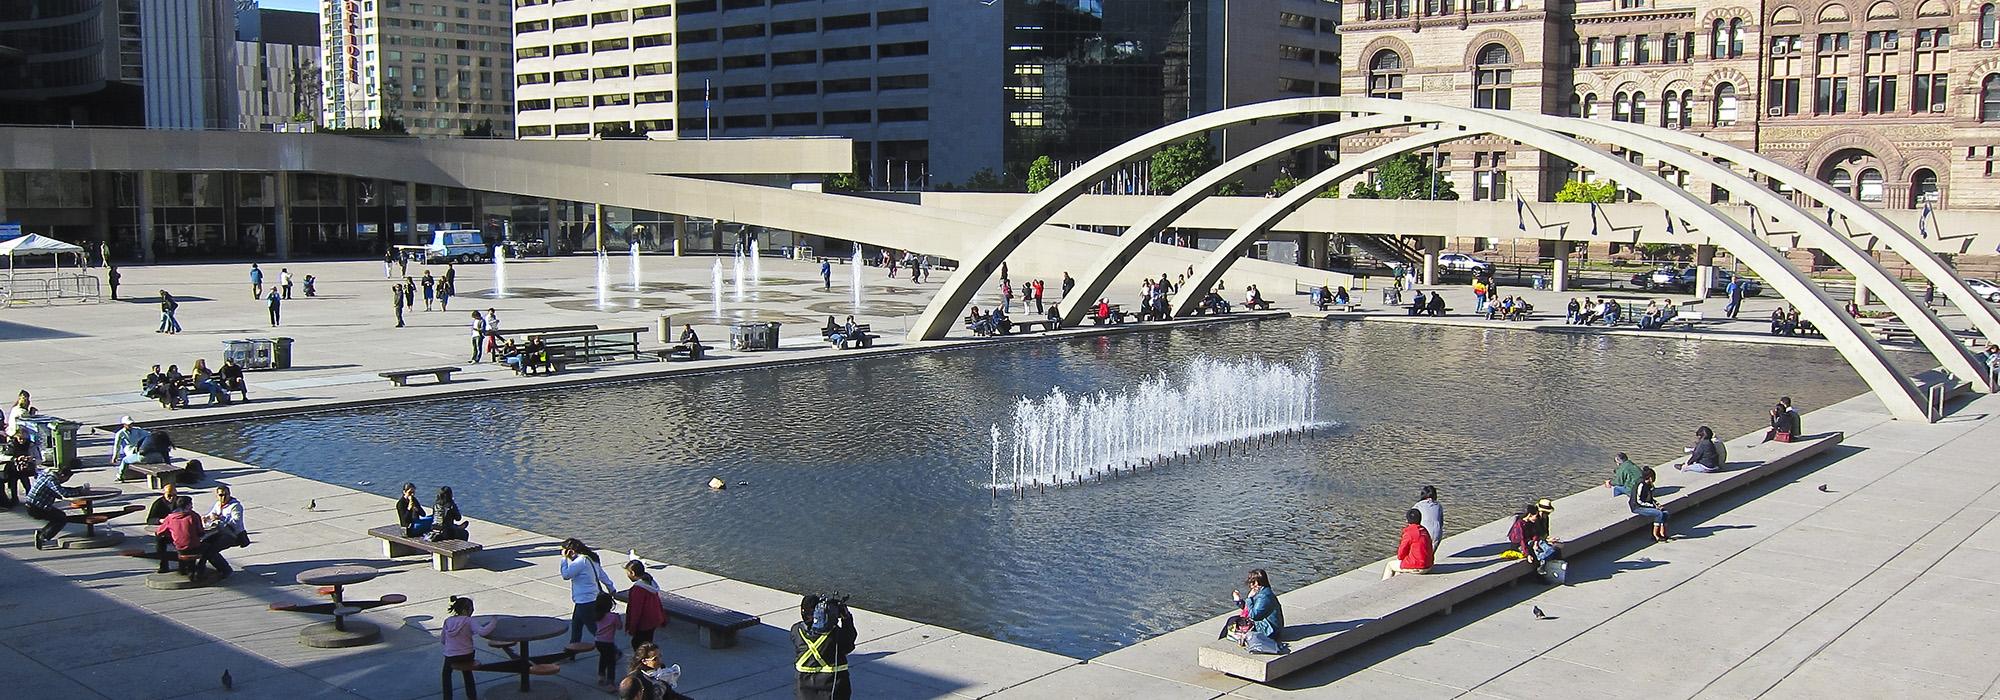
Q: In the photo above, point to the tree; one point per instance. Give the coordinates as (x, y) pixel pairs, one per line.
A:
(1288, 183)
(1179, 164)
(1365, 189)
(842, 182)
(1041, 174)
(484, 129)
(985, 181)
(1229, 189)
(1581, 192)
(1408, 177)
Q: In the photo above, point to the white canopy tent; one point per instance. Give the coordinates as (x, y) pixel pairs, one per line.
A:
(36, 245)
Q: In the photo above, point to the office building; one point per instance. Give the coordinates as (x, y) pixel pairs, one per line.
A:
(931, 92)
(1896, 103)
(277, 68)
(436, 68)
(71, 62)
(189, 53)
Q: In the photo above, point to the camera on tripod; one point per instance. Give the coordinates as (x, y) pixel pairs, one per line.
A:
(828, 614)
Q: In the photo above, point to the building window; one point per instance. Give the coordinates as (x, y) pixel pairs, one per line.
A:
(1928, 94)
(1575, 105)
(1719, 34)
(1870, 186)
(1830, 96)
(1639, 108)
(1590, 105)
(1385, 75)
(1841, 180)
(1492, 84)
(1670, 110)
(1725, 105)
(1987, 21)
(1671, 48)
(1621, 107)
(1621, 51)
(1989, 98)
(1878, 94)
(1735, 38)
(1595, 54)
(1923, 188)
(1642, 51)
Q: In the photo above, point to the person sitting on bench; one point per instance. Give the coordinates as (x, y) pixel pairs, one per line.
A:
(1784, 424)
(1214, 303)
(1419, 303)
(1260, 612)
(692, 342)
(232, 377)
(209, 382)
(183, 527)
(1102, 312)
(843, 333)
(154, 386)
(410, 513)
(1437, 304)
(1413, 554)
(125, 446)
(1519, 308)
(156, 447)
(1702, 455)
(156, 513)
(446, 522)
(18, 460)
(1253, 299)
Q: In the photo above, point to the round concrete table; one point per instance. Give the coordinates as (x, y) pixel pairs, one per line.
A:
(86, 505)
(514, 632)
(340, 632)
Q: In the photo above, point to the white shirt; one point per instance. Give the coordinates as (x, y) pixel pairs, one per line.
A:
(583, 574)
(231, 514)
(128, 441)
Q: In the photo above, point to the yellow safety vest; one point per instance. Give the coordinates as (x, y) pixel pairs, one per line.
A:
(811, 661)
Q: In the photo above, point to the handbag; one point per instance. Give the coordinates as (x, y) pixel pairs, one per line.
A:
(602, 606)
(1259, 643)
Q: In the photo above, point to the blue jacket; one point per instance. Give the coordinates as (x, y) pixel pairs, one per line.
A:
(1266, 615)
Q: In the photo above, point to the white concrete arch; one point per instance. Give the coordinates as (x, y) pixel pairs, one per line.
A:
(1098, 277)
(1925, 325)
(1899, 241)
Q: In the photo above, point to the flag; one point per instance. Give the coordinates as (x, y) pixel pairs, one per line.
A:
(1925, 214)
(1521, 213)
(1829, 217)
(1593, 218)
(1753, 219)
(1670, 221)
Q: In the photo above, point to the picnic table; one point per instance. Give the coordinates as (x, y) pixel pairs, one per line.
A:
(512, 633)
(87, 515)
(340, 632)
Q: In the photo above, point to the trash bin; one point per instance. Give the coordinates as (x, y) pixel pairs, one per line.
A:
(771, 337)
(61, 435)
(281, 353)
(743, 336)
(666, 329)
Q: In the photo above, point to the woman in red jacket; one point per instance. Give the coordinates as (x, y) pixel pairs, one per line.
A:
(1413, 554)
(643, 612)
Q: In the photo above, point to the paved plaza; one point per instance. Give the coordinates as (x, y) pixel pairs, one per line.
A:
(1884, 583)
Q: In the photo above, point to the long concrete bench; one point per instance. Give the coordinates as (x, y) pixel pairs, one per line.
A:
(1468, 563)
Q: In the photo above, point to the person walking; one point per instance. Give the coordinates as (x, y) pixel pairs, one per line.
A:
(111, 279)
(272, 299)
(492, 332)
(1068, 284)
(587, 581)
(168, 323)
(643, 612)
(389, 263)
(430, 288)
(478, 336)
(256, 281)
(285, 281)
(104, 254)
(396, 297)
(826, 275)
(459, 629)
(446, 288)
(410, 294)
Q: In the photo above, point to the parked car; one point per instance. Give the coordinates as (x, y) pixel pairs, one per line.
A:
(1682, 280)
(450, 245)
(1985, 288)
(1461, 262)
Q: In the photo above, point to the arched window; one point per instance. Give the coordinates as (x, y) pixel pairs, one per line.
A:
(1725, 105)
(1590, 105)
(1687, 110)
(1735, 38)
(1385, 75)
(1575, 105)
(1638, 108)
(1989, 98)
(1621, 107)
(1923, 188)
(1670, 110)
(1721, 46)
(1841, 180)
(1870, 186)
(1987, 21)
(1492, 83)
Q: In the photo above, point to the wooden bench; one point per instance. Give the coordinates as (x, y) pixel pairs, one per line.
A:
(1025, 326)
(1327, 618)
(1349, 307)
(683, 352)
(1117, 316)
(157, 474)
(862, 336)
(1264, 305)
(715, 626)
(505, 333)
(446, 555)
(590, 346)
(401, 377)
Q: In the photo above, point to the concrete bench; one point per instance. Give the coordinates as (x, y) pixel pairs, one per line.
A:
(1322, 626)
(1026, 326)
(401, 377)
(715, 626)
(683, 352)
(862, 337)
(1343, 308)
(158, 475)
(446, 555)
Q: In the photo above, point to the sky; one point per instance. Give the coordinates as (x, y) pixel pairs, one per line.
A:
(305, 5)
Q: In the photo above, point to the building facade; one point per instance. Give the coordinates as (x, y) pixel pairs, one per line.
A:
(437, 68)
(930, 91)
(1895, 101)
(277, 68)
(189, 49)
(71, 62)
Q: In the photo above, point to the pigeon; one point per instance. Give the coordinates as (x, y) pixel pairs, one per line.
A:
(228, 683)
(1537, 610)
(1824, 489)
(312, 504)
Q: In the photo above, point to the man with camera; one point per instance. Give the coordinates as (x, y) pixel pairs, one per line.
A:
(823, 638)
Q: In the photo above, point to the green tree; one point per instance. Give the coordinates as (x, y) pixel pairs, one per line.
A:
(1289, 183)
(1041, 174)
(1408, 177)
(1177, 165)
(1365, 189)
(1665, 251)
(1229, 189)
(1582, 192)
(842, 182)
(985, 181)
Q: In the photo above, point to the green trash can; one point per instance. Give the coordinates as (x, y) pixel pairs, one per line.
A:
(281, 353)
(59, 436)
